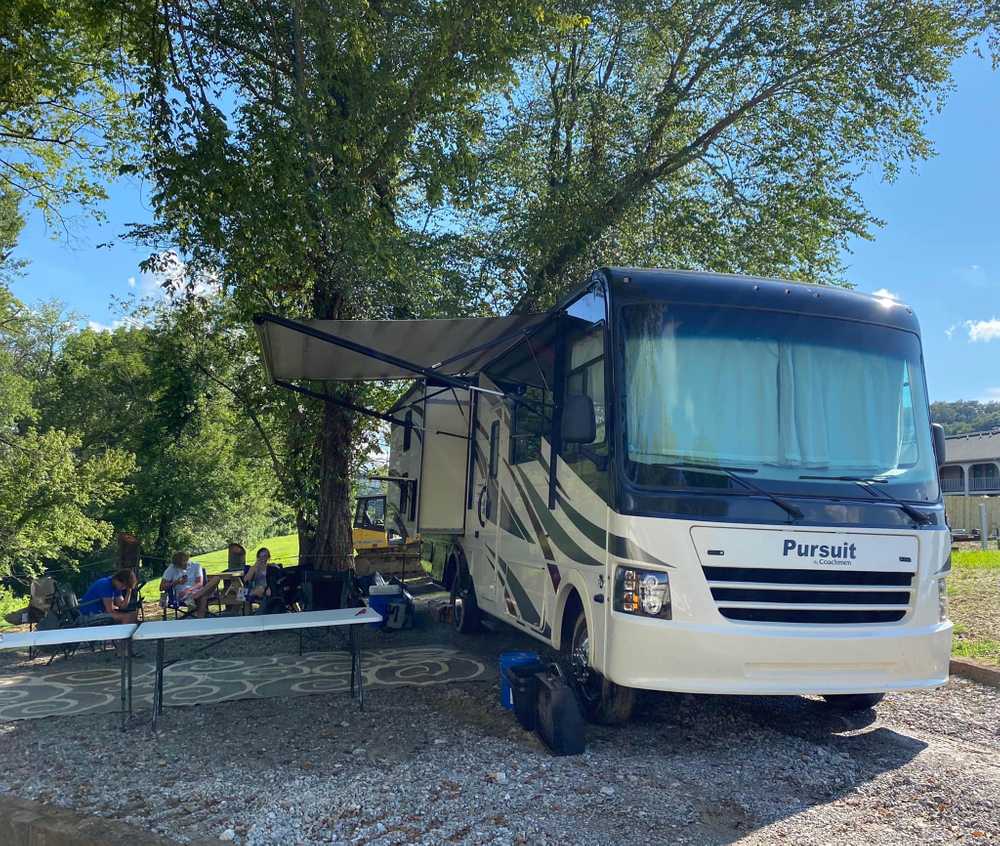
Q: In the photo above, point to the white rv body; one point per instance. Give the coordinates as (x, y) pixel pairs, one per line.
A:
(529, 583)
(537, 562)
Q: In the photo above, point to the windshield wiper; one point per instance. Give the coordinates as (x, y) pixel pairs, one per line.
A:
(865, 482)
(732, 472)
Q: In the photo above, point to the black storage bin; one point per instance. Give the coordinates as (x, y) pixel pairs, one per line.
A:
(559, 720)
(325, 590)
(523, 681)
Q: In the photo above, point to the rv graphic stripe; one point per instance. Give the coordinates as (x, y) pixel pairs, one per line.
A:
(625, 548)
(594, 533)
(510, 522)
(567, 546)
(526, 611)
(543, 541)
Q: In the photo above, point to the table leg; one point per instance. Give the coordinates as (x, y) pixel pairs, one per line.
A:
(361, 675)
(124, 682)
(158, 685)
(131, 657)
(352, 640)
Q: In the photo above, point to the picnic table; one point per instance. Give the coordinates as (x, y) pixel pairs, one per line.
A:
(223, 628)
(82, 634)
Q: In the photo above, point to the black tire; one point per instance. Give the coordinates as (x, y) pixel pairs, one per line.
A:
(465, 613)
(853, 701)
(603, 701)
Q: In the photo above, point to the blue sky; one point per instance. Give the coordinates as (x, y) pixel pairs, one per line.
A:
(939, 250)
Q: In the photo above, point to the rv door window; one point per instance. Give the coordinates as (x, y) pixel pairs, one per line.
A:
(494, 448)
(408, 431)
(530, 421)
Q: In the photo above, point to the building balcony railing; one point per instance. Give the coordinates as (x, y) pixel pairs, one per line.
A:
(985, 483)
(953, 486)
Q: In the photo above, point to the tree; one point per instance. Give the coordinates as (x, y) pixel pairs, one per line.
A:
(64, 121)
(201, 477)
(293, 144)
(50, 496)
(964, 416)
(723, 135)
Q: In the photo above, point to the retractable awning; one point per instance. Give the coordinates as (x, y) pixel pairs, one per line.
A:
(369, 350)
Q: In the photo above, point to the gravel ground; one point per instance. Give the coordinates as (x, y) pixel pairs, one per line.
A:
(447, 765)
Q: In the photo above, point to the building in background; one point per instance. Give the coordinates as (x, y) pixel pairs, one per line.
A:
(972, 464)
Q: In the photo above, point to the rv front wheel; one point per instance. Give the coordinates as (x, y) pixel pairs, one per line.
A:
(603, 701)
(853, 701)
(464, 608)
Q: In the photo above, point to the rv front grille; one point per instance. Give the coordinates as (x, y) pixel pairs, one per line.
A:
(762, 594)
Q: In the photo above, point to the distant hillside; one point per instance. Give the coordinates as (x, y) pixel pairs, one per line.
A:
(966, 416)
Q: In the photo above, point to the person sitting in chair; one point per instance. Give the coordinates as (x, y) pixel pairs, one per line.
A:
(255, 577)
(189, 582)
(108, 595)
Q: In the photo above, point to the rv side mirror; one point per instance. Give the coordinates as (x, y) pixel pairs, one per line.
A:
(937, 433)
(579, 424)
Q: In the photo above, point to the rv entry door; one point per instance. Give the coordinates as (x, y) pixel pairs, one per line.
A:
(484, 517)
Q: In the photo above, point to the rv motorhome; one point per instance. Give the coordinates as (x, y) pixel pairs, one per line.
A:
(685, 481)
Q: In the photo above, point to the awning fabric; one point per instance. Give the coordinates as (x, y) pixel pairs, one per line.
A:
(463, 344)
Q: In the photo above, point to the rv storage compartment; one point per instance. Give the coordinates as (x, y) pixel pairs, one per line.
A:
(560, 722)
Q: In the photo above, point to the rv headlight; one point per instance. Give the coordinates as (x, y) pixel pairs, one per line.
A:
(644, 593)
(942, 586)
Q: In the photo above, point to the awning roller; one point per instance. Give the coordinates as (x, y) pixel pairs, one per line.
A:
(450, 347)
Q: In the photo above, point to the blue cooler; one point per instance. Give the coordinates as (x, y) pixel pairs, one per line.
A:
(512, 659)
(379, 599)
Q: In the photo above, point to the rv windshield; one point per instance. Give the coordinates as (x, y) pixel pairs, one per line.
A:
(787, 400)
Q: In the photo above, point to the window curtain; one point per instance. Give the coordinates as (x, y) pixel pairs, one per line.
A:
(702, 398)
(760, 401)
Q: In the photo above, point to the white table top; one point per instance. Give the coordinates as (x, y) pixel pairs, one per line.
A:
(54, 637)
(191, 627)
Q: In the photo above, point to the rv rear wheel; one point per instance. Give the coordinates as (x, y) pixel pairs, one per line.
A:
(603, 701)
(465, 614)
(853, 701)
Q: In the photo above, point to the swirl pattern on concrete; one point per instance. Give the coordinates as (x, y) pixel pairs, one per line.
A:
(205, 681)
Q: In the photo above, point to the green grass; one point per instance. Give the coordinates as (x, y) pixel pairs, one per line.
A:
(974, 597)
(982, 649)
(988, 559)
(284, 550)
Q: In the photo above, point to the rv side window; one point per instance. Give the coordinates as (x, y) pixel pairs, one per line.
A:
(531, 420)
(408, 431)
(494, 448)
(585, 375)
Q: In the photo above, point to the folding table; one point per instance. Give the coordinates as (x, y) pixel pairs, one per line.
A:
(83, 634)
(223, 628)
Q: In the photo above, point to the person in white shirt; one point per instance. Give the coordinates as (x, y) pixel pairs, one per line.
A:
(190, 584)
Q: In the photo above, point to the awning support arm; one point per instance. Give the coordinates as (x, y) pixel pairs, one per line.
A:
(361, 349)
(360, 409)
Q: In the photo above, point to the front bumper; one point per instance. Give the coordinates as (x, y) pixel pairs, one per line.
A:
(775, 659)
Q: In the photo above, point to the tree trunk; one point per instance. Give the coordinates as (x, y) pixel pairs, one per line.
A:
(307, 538)
(333, 544)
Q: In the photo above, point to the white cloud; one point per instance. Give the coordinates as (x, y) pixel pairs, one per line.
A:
(951, 330)
(131, 281)
(885, 292)
(984, 330)
(95, 326)
(992, 395)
